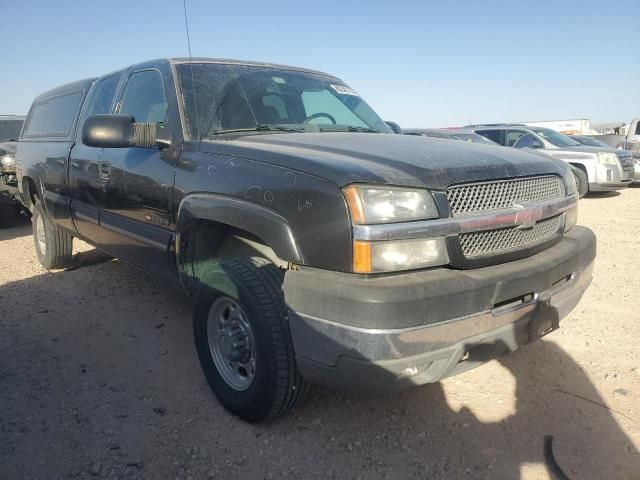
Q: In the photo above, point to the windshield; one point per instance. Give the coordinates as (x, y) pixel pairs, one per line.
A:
(240, 99)
(10, 129)
(555, 138)
(474, 138)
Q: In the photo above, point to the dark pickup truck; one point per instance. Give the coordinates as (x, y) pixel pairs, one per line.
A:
(317, 245)
(10, 204)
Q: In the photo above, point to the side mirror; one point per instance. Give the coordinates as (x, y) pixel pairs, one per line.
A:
(394, 126)
(537, 145)
(120, 131)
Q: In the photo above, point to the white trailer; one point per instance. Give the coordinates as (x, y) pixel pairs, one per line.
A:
(577, 126)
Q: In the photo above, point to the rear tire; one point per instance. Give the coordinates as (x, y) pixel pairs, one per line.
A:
(54, 247)
(582, 181)
(240, 318)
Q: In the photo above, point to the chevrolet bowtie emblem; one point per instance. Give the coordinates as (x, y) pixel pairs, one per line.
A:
(527, 216)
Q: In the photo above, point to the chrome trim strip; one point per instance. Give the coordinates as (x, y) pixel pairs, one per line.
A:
(527, 214)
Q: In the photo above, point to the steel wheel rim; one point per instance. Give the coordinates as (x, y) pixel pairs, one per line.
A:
(231, 343)
(41, 235)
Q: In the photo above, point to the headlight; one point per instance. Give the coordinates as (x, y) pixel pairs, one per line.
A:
(372, 204)
(607, 158)
(380, 204)
(7, 161)
(373, 257)
(569, 181)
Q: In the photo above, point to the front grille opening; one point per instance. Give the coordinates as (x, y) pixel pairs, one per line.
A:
(501, 194)
(491, 242)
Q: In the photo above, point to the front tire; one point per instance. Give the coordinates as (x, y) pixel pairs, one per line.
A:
(582, 181)
(54, 247)
(243, 341)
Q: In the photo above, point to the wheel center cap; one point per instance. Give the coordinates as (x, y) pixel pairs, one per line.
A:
(234, 344)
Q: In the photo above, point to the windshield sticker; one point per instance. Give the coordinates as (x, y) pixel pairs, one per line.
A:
(342, 90)
(279, 80)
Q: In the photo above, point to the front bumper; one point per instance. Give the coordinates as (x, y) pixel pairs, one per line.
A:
(387, 332)
(610, 177)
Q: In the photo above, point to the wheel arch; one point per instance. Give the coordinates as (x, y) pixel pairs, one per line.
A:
(29, 192)
(211, 226)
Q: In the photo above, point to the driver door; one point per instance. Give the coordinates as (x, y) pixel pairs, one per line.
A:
(136, 219)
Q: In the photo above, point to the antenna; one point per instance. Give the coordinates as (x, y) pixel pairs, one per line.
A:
(193, 84)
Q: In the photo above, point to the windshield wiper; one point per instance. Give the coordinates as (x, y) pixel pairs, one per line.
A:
(260, 128)
(350, 128)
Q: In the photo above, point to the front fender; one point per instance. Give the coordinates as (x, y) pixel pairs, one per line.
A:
(264, 223)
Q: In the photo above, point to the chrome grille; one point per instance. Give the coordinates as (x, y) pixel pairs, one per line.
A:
(627, 162)
(480, 197)
(492, 242)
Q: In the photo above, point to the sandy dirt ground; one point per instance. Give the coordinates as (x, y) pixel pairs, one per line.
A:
(99, 379)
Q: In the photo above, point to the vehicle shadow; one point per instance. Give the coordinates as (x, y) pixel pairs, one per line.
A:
(21, 228)
(591, 195)
(99, 376)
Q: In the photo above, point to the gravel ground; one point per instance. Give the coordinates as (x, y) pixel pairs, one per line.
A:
(99, 378)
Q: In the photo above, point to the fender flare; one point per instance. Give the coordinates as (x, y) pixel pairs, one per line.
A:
(269, 226)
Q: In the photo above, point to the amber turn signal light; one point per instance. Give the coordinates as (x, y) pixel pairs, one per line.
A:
(361, 257)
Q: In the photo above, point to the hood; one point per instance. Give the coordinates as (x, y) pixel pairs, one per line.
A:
(588, 149)
(415, 161)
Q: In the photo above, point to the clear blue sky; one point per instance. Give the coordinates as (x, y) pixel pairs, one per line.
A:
(419, 63)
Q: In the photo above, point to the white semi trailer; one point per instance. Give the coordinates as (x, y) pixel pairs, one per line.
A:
(577, 126)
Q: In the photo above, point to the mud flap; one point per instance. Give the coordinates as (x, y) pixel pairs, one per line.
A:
(545, 320)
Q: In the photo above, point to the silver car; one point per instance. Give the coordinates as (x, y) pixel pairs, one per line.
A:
(597, 169)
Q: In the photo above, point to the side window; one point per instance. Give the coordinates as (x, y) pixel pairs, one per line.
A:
(512, 137)
(525, 141)
(638, 128)
(493, 135)
(102, 96)
(144, 98)
(54, 116)
(62, 112)
(35, 123)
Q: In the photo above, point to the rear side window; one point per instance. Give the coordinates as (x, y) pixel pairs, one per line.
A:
(54, 116)
(35, 124)
(62, 112)
(144, 98)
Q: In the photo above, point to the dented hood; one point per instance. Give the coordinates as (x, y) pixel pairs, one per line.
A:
(415, 161)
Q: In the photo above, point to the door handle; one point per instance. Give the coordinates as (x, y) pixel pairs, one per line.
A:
(104, 167)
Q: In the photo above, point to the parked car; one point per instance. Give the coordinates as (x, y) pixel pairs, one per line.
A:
(10, 126)
(597, 169)
(588, 141)
(10, 205)
(317, 246)
(465, 135)
(630, 161)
